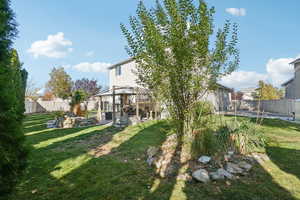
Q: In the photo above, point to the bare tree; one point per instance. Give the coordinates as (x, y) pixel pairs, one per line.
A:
(32, 89)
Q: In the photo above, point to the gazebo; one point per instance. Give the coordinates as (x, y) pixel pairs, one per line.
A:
(126, 105)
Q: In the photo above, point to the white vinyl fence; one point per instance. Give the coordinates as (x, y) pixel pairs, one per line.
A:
(51, 106)
(280, 106)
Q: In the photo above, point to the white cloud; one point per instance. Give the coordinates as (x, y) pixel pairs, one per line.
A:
(278, 71)
(55, 46)
(90, 54)
(236, 11)
(92, 67)
(67, 66)
(243, 79)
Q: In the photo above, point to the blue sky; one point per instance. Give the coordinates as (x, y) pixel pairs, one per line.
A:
(85, 37)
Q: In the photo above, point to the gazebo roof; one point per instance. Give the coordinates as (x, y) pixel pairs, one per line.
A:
(123, 90)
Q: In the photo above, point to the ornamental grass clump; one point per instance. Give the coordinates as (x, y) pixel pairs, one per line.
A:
(204, 140)
(243, 136)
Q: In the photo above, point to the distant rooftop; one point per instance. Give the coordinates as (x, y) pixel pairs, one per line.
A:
(295, 61)
(246, 90)
(287, 82)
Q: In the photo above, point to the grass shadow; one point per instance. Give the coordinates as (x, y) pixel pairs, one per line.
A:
(117, 169)
(287, 160)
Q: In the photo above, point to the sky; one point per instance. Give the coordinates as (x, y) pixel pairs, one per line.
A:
(85, 37)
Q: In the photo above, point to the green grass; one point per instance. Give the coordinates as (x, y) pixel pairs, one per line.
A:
(106, 163)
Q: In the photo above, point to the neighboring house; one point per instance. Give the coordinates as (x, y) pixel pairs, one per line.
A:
(292, 86)
(248, 93)
(123, 78)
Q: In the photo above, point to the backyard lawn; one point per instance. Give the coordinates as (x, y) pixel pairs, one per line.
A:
(102, 162)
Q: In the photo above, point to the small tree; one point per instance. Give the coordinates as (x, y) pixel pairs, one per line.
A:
(267, 91)
(90, 87)
(32, 90)
(12, 86)
(60, 83)
(176, 58)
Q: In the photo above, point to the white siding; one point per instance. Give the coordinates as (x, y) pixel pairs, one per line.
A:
(220, 98)
(127, 77)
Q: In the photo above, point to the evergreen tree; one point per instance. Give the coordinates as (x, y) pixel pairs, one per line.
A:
(12, 88)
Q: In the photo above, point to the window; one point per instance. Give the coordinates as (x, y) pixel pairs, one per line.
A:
(118, 70)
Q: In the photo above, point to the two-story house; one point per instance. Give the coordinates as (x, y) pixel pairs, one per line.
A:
(124, 92)
(292, 86)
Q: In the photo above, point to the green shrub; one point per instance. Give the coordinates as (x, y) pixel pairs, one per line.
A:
(58, 114)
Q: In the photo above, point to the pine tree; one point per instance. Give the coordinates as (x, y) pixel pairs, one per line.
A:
(12, 87)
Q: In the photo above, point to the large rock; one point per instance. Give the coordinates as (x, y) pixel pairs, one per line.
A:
(233, 168)
(201, 175)
(204, 159)
(216, 176)
(224, 173)
(52, 124)
(245, 165)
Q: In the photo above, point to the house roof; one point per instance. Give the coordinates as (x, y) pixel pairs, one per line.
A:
(124, 90)
(121, 63)
(128, 91)
(287, 82)
(224, 87)
(295, 61)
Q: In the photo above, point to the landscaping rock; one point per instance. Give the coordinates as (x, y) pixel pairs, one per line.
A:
(150, 161)
(204, 159)
(201, 175)
(152, 151)
(223, 172)
(216, 176)
(184, 177)
(227, 158)
(52, 124)
(233, 168)
(245, 165)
